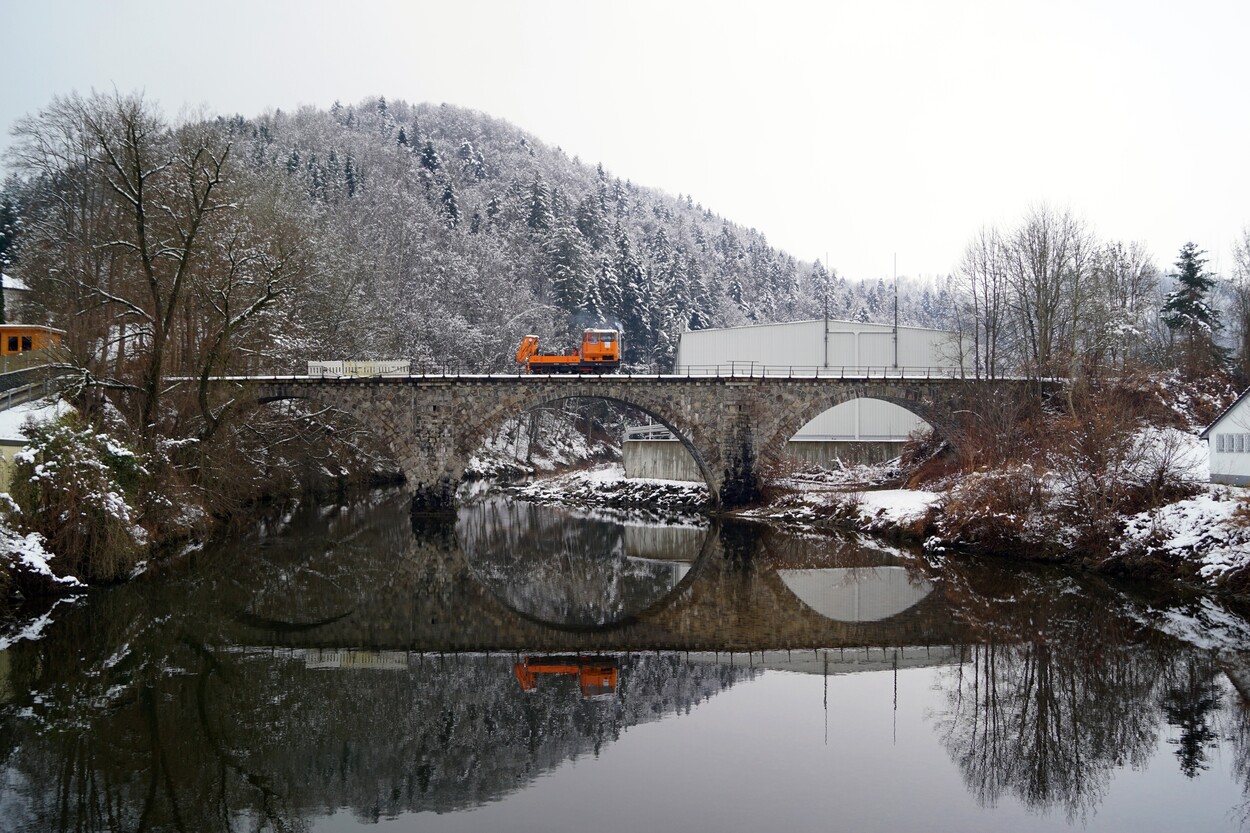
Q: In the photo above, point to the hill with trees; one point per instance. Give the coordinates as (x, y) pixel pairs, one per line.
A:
(173, 252)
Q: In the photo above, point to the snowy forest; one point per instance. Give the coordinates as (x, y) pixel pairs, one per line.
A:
(382, 230)
(386, 230)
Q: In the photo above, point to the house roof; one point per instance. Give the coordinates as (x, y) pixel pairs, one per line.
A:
(11, 282)
(1224, 413)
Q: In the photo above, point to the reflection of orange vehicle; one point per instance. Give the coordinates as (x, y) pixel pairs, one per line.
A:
(595, 675)
(600, 352)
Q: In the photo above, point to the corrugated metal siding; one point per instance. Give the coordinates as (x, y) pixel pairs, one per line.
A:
(799, 343)
(862, 419)
(850, 344)
(802, 344)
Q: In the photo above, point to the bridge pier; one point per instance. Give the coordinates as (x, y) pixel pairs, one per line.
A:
(740, 480)
(437, 498)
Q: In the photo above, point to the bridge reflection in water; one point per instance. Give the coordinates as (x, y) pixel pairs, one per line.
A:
(342, 671)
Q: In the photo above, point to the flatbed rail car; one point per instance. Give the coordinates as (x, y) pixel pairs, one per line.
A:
(399, 367)
(599, 352)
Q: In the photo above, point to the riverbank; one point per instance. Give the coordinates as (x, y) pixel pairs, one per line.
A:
(1200, 540)
(1199, 537)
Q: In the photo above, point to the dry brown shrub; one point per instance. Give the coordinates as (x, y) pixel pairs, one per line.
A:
(1000, 511)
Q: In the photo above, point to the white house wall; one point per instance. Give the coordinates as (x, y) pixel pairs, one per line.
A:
(1228, 444)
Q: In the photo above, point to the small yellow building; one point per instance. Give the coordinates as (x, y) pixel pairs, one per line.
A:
(25, 338)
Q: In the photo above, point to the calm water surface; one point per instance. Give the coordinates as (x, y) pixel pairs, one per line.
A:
(519, 668)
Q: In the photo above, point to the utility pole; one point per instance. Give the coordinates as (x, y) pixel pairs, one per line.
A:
(896, 309)
(827, 278)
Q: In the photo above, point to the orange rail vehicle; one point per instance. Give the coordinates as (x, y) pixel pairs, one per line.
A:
(600, 352)
(595, 675)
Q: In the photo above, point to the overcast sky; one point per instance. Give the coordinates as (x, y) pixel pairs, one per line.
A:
(860, 129)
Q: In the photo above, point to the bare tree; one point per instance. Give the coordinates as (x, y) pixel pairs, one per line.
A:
(983, 278)
(150, 244)
(1239, 286)
(1119, 315)
(1048, 258)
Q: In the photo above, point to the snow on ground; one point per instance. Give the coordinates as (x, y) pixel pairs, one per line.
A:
(27, 553)
(898, 506)
(606, 485)
(843, 478)
(1210, 529)
(39, 410)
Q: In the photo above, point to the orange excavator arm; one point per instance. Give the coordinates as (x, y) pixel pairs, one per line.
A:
(529, 346)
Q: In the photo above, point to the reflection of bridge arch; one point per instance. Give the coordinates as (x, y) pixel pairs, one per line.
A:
(482, 573)
(857, 594)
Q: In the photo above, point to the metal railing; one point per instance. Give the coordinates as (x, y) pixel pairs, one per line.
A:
(25, 393)
(728, 370)
(648, 432)
(12, 362)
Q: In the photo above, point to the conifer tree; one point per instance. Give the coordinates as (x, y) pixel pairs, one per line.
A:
(429, 157)
(591, 223)
(635, 299)
(451, 206)
(1186, 312)
(540, 215)
(592, 302)
(349, 176)
(570, 258)
(608, 287)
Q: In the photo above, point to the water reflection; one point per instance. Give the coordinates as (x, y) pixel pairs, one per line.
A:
(857, 594)
(346, 663)
(570, 571)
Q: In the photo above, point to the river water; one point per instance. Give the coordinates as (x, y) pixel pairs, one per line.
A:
(521, 668)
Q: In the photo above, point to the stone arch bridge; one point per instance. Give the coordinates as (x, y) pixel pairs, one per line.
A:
(733, 427)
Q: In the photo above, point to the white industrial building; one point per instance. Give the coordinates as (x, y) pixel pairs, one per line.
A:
(826, 344)
(1228, 443)
(841, 347)
(863, 430)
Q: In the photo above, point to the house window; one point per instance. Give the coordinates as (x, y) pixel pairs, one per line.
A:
(1241, 442)
(26, 345)
(12, 344)
(1219, 443)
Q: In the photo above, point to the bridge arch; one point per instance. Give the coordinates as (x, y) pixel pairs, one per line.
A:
(366, 421)
(689, 436)
(788, 421)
